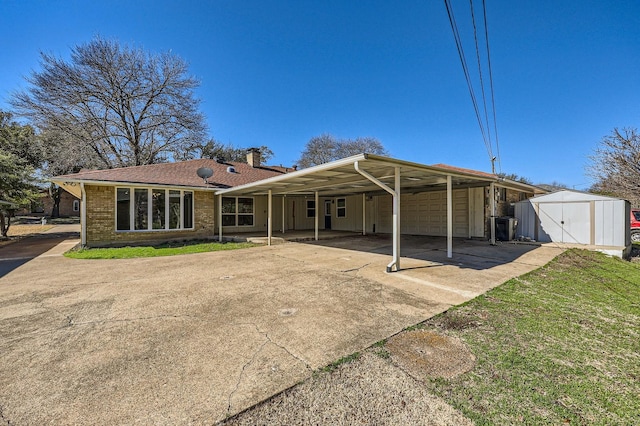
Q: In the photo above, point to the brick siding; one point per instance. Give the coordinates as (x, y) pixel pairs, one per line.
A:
(101, 207)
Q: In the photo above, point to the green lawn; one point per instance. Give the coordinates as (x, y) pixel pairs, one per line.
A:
(560, 345)
(167, 249)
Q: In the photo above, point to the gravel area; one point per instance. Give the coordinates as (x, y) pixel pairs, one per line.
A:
(374, 389)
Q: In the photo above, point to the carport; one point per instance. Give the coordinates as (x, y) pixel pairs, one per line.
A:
(370, 175)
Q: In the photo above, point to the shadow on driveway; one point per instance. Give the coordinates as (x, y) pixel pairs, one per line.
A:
(467, 254)
(18, 253)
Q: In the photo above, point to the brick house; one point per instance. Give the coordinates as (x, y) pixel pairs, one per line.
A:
(363, 193)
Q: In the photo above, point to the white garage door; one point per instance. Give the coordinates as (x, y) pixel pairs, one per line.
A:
(426, 213)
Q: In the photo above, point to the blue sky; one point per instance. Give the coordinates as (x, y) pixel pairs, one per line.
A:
(277, 73)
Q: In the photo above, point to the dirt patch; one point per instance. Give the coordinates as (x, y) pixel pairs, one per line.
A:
(426, 354)
(367, 390)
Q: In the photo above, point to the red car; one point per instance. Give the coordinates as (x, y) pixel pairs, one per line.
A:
(635, 225)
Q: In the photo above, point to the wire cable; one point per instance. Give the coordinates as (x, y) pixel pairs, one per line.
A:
(484, 97)
(465, 69)
(493, 103)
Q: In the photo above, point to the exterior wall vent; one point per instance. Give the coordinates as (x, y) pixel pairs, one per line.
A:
(231, 169)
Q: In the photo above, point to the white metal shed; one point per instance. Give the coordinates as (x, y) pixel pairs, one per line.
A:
(574, 217)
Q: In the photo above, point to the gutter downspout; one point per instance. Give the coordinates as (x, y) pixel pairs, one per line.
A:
(83, 216)
(395, 263)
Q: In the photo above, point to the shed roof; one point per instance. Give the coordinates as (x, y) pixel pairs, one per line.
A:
(567, 195)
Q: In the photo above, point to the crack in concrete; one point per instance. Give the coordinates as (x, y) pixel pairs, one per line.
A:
(356, 269)
(244, 367)
(268, 340)
(71, 323)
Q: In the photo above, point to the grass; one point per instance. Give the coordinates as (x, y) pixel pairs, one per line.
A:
(167, 249)
(560, 345)
(344, 360)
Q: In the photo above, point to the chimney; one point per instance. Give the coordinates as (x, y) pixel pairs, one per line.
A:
(253, 157)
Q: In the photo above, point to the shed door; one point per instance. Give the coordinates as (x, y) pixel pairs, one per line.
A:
(564, 222)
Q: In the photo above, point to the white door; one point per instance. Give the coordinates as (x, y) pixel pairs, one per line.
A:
(564, 222)
(577, 223)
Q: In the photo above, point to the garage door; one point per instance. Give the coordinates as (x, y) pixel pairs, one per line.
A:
(426, 213)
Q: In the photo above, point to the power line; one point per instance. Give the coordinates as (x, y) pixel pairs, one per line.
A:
(465, 69)
(484, 97)
(486, 134)
(493, 103)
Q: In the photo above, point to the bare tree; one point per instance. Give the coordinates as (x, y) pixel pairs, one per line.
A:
(325, 148)
(129, 107)
(615, 165)
(224, 152)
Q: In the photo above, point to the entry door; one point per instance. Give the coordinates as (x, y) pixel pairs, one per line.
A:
(327, 214)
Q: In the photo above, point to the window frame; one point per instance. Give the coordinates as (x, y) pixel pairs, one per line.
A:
(343, 208)
(310, 209)
(236, 213)
(150, 210)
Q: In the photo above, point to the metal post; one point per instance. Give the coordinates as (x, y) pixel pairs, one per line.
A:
(83, 214)
(269, 217)
(492, 205)
(220, 218)
(449, 219)
(364, 215)
(283, 212)
(316, 218)
(396, 224)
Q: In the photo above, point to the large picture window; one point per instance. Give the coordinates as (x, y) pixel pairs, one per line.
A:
(237, 211)
(144, 209)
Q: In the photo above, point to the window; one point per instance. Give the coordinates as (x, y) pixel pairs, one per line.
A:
(237, 211)
(174, 209)
(311, 208)
(158, 208)
(76, 205)
(153, 209)
(187, 210)
(123, 201)
(341, 207)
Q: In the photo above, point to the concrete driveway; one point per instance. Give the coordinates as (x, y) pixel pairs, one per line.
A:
(193, 339)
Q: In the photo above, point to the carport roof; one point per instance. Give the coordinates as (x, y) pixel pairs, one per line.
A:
(340, 177)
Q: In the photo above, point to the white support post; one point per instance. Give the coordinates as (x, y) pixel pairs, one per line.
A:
(283, 212)
(449, 219)
(364, 214)
(395, 193)
(316, 215)
(396, 225)
(220, 218)
(83, 215)
(469, 214)
(492, 205)
(269, 217)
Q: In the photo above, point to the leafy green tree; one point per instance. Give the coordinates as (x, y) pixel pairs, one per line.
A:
(19, 156)
(325, 148)
(119, 106)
